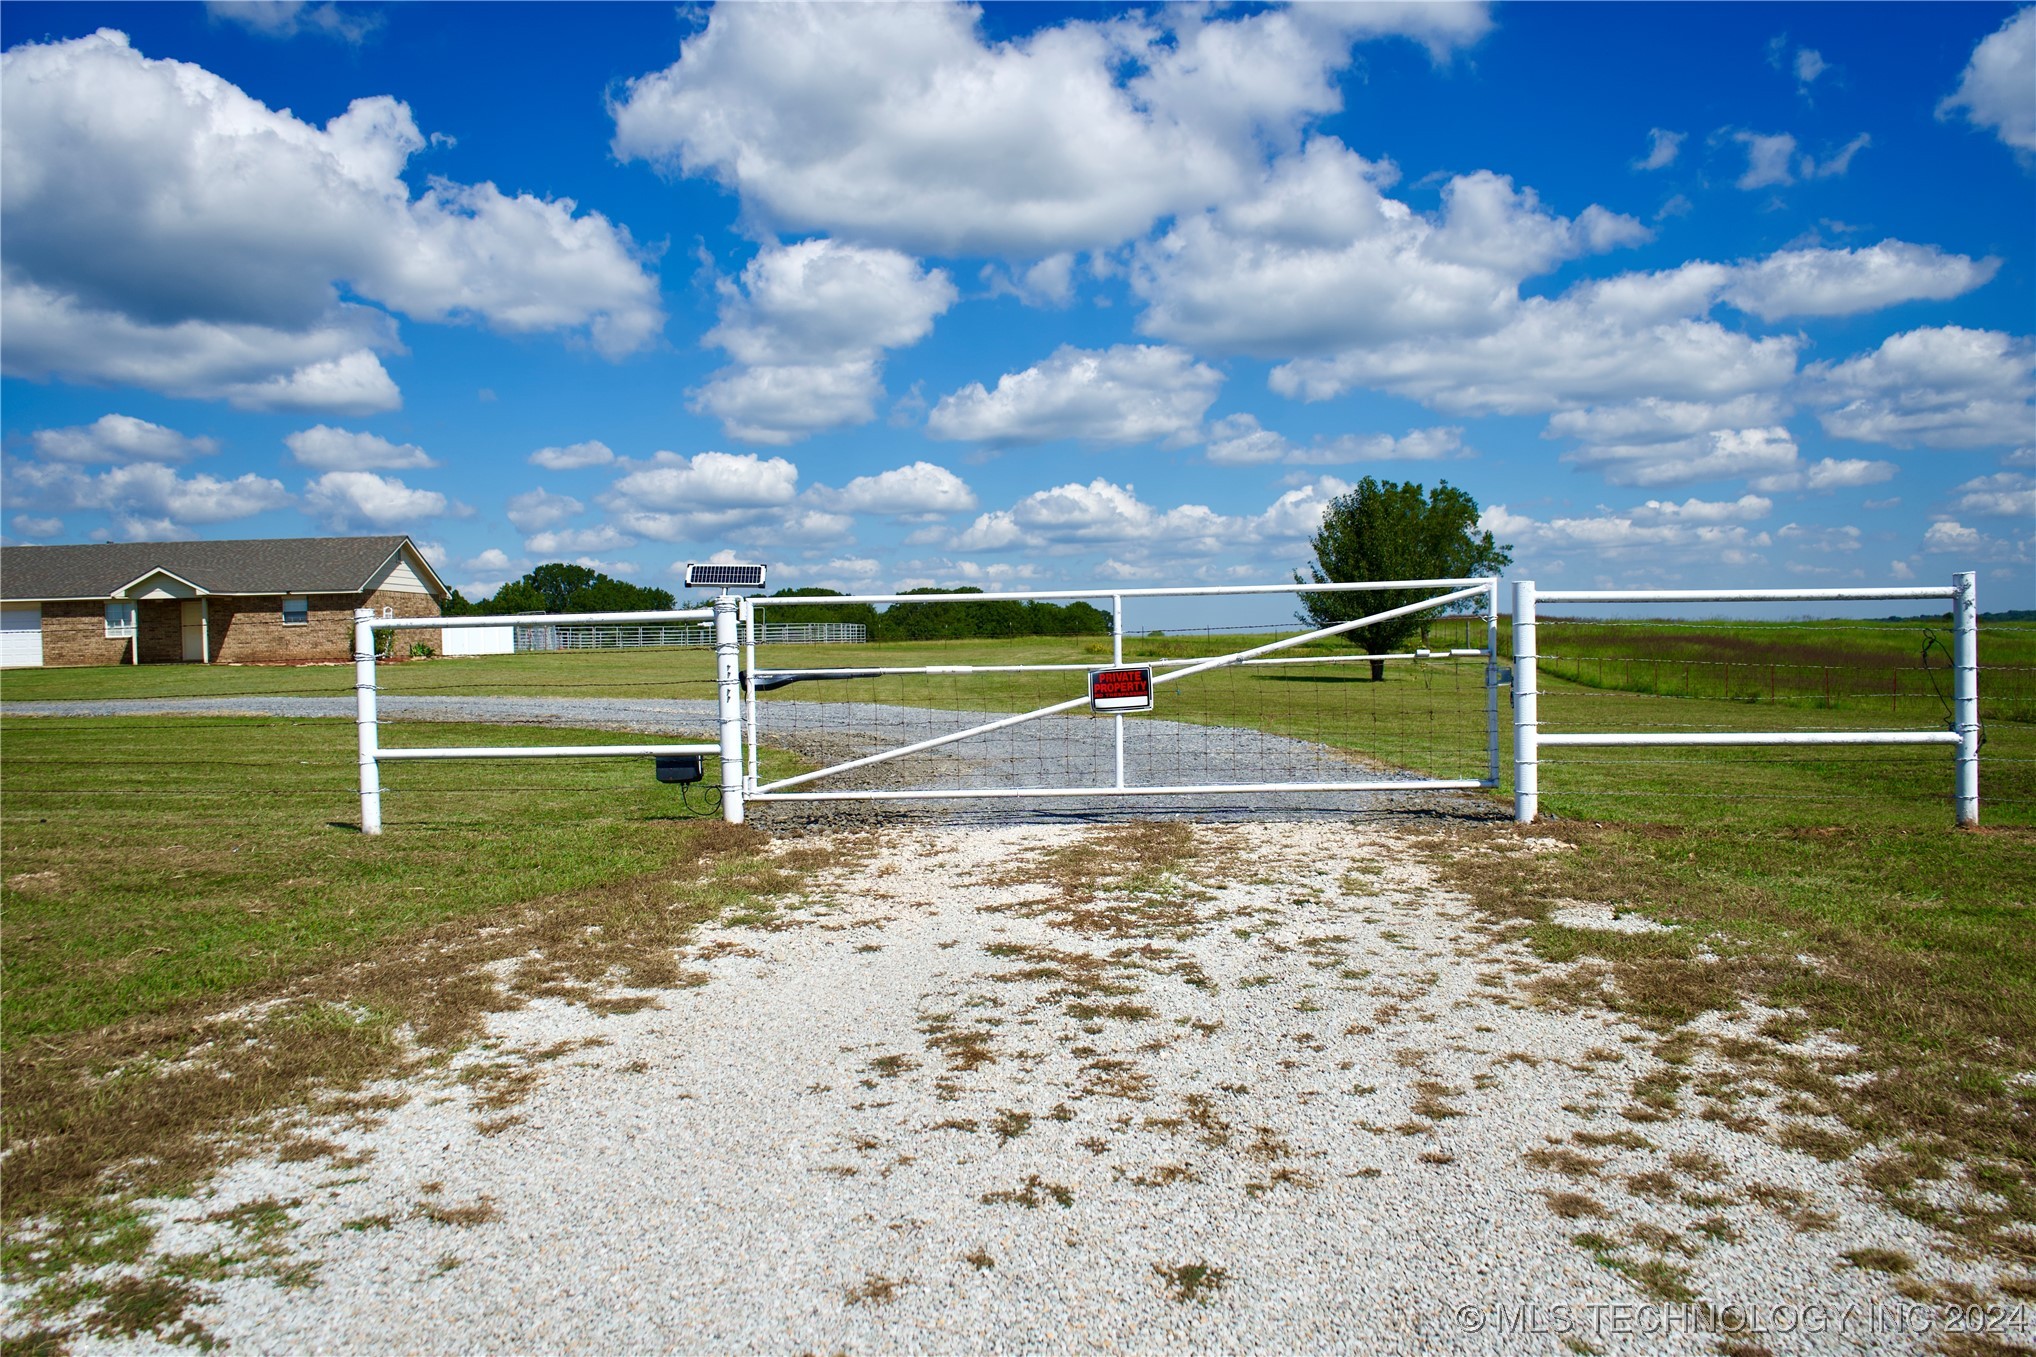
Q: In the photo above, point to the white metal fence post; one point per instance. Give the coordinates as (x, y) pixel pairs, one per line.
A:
(1965, 694)
(1526, 708)
(1492, 683)
(1117, 657)
(727, 665)
(365, 717)
(749, 697)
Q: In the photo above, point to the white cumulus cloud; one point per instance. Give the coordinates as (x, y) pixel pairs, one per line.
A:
(1662, 148)
(1998, 89)
(918, 490)
(553, 545)
(1818, 282)
(1317, 257)
(1769, 159)
(162, 227)
(325, 448)
(807, 328)
(1126, 394)
(288, 18)
(1634, 534)
(1745, 509)
(1938, 387)
(535, 510)
(902, 125)
(1238, 440)
(1720, 454)
(344, 500)
(712, 495)
(573, 457)
(1827, 473)
(120, 438)
(2005, 494)
(147, 500)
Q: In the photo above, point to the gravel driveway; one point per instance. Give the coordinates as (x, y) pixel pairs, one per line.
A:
(1294, 1097)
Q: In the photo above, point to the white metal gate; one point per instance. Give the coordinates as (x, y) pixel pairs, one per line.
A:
(1479, 595)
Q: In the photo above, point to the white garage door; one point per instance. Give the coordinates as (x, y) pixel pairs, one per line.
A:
(21, 636)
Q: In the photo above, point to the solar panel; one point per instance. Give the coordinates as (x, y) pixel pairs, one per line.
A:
(724, 576)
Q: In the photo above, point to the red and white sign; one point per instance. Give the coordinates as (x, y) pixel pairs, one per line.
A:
(1123, 689)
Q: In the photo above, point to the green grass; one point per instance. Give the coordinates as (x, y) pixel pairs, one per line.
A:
(231, 847)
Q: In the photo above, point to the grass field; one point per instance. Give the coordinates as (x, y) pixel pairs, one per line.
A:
(163, 871)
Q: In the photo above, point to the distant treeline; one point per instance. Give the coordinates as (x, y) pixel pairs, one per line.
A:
(990, 618)
(561, 588)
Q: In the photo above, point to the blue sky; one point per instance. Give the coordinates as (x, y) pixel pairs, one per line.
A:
(1028, 294)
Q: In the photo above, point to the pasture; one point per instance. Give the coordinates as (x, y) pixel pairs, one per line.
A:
(187, 897)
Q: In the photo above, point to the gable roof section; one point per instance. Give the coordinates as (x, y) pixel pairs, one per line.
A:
(268, 565)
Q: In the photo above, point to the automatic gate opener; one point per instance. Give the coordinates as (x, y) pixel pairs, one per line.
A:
(764, 685)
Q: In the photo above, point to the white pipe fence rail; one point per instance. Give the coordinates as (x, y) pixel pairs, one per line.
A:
(367, 715)
(1529, 739)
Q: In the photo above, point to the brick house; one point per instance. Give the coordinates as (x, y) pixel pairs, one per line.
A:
(266, 601)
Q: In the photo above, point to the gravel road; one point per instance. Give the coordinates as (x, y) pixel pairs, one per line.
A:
(1304, 1100)
(1061, 751)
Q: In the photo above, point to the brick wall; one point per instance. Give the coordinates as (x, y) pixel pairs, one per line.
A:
(75, 634)
(410, 605)
(252, 631)
(243, 630)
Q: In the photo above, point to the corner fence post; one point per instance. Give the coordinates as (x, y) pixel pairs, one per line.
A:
(1526, 708)
(365, 717)
(727, 668)
(1965, 695)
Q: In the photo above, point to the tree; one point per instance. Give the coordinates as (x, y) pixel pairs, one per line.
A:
(514, 597)
(558, 582)
(1390, 530)
(558, 587)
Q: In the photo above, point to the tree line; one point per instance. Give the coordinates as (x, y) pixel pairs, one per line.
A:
(985, 617)
(561, 588)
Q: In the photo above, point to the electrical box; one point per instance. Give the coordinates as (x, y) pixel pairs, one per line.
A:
(679, 768)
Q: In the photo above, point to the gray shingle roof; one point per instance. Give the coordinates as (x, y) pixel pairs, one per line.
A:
(269, 565)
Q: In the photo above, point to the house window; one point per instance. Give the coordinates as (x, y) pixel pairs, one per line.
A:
(120, 620)
(296, 611)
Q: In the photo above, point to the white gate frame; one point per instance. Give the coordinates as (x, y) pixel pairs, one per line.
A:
(1528, 739)
(367, 716)
(1460, 590)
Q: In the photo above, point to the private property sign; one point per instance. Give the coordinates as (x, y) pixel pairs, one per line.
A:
(1117, 690)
